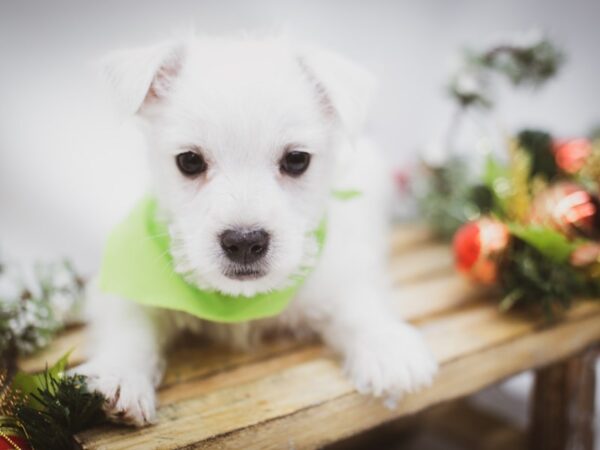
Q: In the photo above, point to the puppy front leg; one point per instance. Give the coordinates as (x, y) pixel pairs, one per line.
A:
(382, 356)
(126, 358)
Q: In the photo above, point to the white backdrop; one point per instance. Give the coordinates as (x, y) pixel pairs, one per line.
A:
(67, 172)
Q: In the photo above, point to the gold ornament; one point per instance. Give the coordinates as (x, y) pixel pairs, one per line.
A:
(12, 436)
(519, 199)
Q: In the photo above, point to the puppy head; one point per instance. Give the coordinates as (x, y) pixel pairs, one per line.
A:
(242, 137)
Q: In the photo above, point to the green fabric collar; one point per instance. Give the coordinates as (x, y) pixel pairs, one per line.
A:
(138, 266)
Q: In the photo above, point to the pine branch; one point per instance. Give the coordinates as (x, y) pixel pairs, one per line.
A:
(67, 407)
(529, 277)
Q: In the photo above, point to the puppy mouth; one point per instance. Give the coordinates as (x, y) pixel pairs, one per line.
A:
(244, 273)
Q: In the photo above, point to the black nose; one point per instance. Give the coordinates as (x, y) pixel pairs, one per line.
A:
(245, 246)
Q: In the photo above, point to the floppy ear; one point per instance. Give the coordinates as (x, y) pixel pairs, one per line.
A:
(344, 88)
(143, 76)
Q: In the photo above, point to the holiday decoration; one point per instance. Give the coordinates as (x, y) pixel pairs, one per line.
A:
(539, 242)
(447, 194)
(537, 145)
(568, 208)
(9, 398)
(527, 59)
(33, 309)
(590, 172)
(526, 217)
(12, 436)
(571, 155)
(586, 254)
(479, 247)
(40, 412)
(43, 412)
(541, 246)
(63, 407)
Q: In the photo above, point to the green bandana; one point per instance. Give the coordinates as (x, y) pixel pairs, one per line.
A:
(138, 266)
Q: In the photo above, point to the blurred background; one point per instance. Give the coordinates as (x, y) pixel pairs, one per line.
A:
(69, 168)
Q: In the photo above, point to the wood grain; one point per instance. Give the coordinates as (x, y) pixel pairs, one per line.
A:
(288, 395)
(563, 404)
(292, 405)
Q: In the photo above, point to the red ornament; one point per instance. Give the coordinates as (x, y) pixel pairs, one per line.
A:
(571, 155)
(12, 436)
(568, 208)
(479, 247)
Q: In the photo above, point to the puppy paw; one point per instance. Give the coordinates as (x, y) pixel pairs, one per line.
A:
(129, 397)
(390, 362)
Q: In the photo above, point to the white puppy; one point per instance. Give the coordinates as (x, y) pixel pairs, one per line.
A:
(247, 140)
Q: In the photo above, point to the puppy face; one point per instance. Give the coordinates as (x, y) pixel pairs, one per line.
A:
(243, 139)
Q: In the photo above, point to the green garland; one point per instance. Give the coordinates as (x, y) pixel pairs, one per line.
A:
(529, 277)
(50, 407)
(63, 407)
(33, 309)
(524, 60)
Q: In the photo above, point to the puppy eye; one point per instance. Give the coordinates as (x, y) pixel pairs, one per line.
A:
(295, 163)
(191, 163)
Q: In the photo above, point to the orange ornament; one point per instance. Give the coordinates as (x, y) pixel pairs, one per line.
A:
(479, 247)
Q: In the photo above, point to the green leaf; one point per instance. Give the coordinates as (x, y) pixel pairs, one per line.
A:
(493, 170)
(550, 243)
(29, 384)
(497, 178)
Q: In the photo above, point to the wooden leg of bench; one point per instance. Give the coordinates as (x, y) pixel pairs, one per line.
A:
(562, 410)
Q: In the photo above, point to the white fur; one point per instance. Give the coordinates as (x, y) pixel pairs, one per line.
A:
(242, 102)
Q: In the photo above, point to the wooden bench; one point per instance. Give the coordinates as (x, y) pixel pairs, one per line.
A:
(291, 396)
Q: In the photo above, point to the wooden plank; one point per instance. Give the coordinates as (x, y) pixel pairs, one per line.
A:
(195, 359)
(285, 409)
(434, 296)
(367, 413)
(199, 360)
(407, 236)
(424, 262)
(215, 398)
(479, 325)
(562, 415)
(191, 384)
